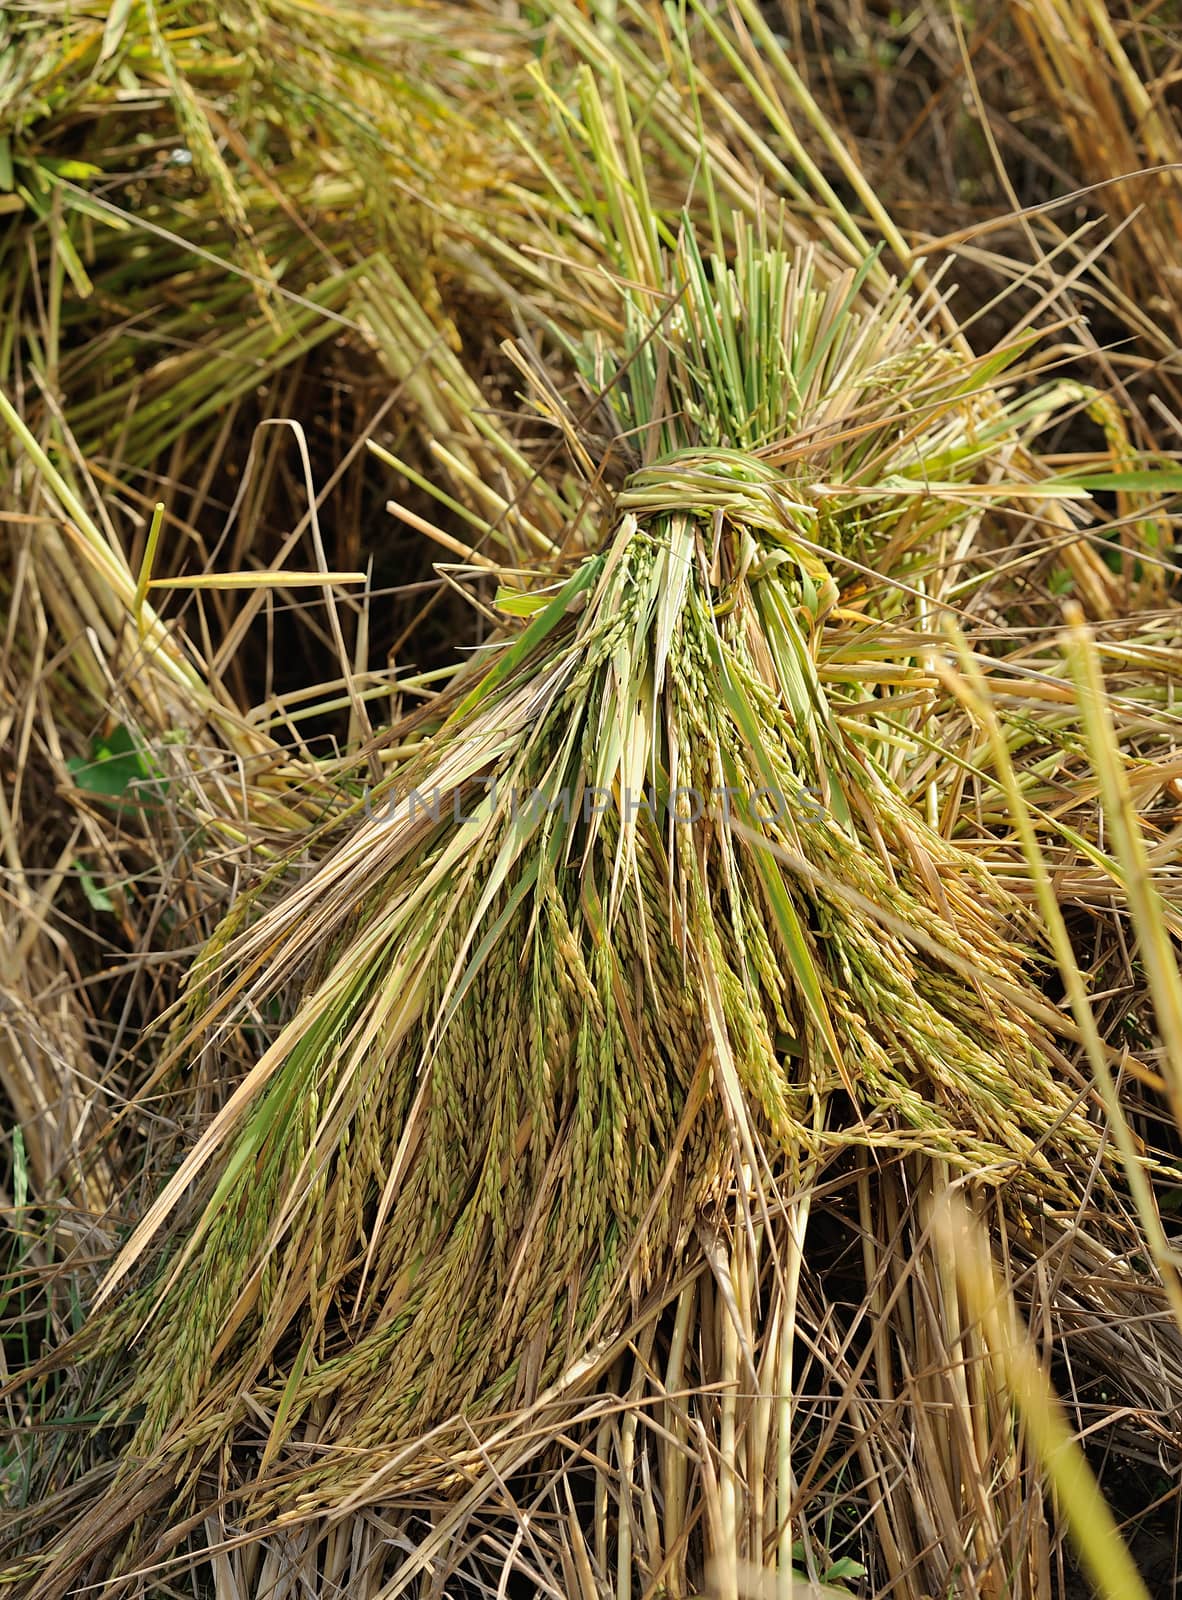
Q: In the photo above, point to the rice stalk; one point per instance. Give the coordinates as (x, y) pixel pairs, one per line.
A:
(1098, 71)
(1092, 1524)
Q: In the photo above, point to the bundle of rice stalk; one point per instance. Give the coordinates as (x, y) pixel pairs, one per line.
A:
(645, 910)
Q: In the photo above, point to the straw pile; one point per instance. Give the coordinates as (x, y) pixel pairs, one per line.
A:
(544, 1166)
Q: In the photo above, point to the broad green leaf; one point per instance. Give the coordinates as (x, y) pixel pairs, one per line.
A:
(115, 767)
(846, 1567)
(96, 896)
